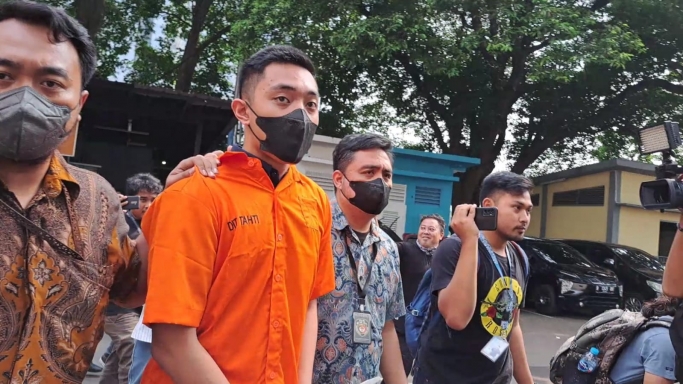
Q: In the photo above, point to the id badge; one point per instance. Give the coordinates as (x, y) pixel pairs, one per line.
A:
(495, 348)
(362, 328)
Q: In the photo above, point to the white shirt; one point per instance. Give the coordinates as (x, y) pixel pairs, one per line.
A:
(141, 331)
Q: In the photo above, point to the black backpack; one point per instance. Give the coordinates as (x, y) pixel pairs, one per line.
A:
(610, 332)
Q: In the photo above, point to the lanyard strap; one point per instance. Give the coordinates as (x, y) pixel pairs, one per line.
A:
(496, 263)
(352, 261)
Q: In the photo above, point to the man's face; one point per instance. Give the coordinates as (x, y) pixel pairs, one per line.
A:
(28, 58)
(281, 89)
(430, 233)
(366, 165)
(514, 214)
(146, 199)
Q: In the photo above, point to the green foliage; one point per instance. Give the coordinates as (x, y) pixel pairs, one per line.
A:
(541, 80)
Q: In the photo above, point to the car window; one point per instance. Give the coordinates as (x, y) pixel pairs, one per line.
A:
(638, 259)
(582, 248)
(560, 253)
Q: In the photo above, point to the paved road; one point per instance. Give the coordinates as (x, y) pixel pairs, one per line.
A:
(543, 335)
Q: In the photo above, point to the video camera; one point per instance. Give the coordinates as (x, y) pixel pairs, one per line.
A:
(666, 192)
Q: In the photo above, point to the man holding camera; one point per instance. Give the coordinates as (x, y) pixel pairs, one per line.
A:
(478, 284)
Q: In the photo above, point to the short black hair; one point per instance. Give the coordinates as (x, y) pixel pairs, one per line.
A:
(349, 145)
(143, 182)
(252, 69)
(438, 218)
(507, 182)
(62, 28)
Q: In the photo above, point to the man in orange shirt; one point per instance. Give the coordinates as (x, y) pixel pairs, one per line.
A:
(237, 262)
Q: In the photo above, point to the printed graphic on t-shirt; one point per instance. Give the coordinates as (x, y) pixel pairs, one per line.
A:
(499, 305)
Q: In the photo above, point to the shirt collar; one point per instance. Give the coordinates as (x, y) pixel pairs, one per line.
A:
(272, 173)
(57, 176)
(340, 223)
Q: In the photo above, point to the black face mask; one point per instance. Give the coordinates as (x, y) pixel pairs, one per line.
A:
(371, 196)
(288, 137)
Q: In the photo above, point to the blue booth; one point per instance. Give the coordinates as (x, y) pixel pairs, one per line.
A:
(423, 184)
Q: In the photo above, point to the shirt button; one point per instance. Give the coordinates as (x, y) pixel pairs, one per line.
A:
(279, 237)
(251, 163)
(276, 324)
(278, 278)
(272, 375)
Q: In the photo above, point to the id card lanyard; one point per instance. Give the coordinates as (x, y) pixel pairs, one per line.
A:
(354, 267)
(496, 263)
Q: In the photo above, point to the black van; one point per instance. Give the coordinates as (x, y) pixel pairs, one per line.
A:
(562, 279)
(640, 272)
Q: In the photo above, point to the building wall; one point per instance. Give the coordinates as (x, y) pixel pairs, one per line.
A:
(577, 222)
(630, 187)
(534, 229)
(638, 227)
(419, 203)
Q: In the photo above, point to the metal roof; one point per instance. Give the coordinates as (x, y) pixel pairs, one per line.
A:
(591, 169)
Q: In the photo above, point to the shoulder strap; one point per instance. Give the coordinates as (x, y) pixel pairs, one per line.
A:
(36, 230)
(525, 258)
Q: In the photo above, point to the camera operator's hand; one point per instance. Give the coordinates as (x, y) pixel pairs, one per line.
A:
(462, 222)
(124, 201)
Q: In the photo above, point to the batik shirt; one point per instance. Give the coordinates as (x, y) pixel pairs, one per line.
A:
(337, 359)
(52, 304)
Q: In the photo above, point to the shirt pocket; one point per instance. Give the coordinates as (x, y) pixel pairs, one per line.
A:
(310, 212)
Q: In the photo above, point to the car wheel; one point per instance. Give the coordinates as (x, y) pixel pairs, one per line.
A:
(633, 302)
(545, 300)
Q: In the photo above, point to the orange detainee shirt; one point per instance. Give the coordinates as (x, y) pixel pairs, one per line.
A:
(240, 261)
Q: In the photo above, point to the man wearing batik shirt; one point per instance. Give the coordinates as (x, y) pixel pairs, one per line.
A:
(356, 335)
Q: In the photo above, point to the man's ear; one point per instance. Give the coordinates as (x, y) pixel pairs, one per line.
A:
(241, 111)
(488, 202)
(337, 179)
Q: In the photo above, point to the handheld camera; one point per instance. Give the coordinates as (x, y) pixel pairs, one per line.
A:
(666, 192)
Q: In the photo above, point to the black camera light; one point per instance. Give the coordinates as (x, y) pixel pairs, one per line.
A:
(666, 192)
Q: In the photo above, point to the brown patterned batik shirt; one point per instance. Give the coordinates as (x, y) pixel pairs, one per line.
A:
(51, 303)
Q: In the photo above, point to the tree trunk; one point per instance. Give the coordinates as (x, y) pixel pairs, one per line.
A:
(90, 13)
(188, 63)
(466, 191)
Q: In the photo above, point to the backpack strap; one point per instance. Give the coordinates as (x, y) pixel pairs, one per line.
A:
(525, 258)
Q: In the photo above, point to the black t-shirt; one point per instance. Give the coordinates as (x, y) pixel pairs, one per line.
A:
(414, 263)
(449, 356)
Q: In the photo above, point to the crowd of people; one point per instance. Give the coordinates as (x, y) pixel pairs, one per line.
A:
(242, 270)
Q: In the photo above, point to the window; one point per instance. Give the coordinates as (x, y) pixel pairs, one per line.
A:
(427, 196)
(323, 180)
(667, 231)
(559, 253)
(580, 197)
(638, 259)
(536, 200)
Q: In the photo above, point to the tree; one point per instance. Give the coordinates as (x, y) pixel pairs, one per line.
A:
(466, 73)
(568, 117)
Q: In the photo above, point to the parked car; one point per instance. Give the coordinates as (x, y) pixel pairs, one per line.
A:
(640, 272)
(562, 279)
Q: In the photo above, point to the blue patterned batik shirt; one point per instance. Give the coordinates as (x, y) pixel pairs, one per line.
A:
(337, 359)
